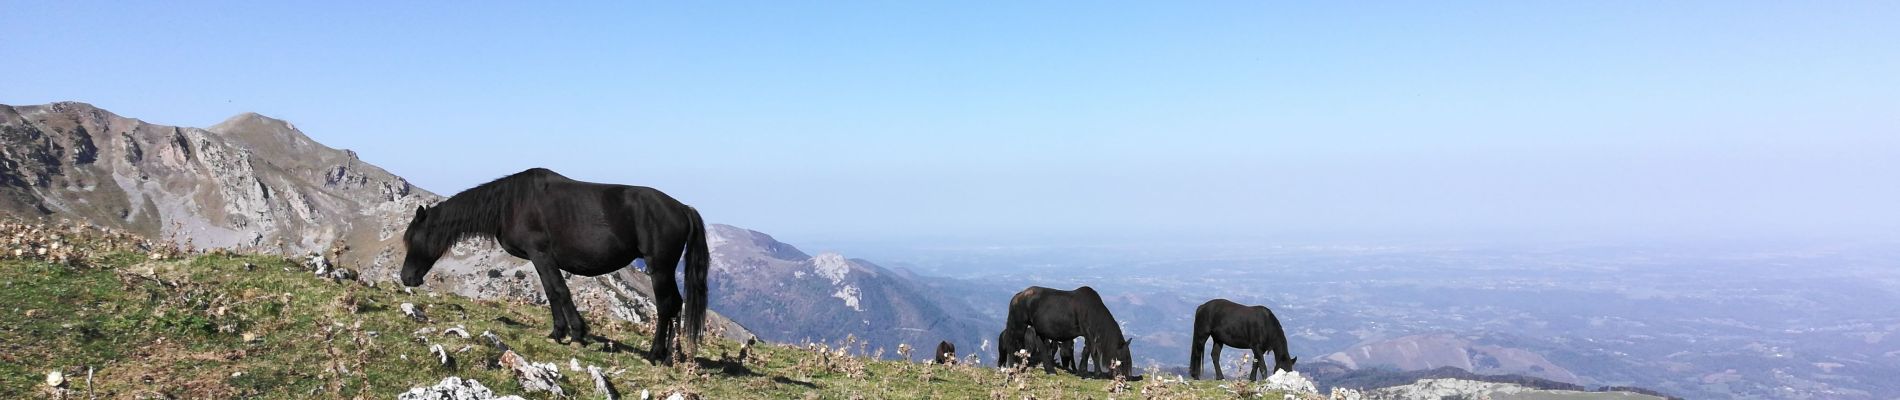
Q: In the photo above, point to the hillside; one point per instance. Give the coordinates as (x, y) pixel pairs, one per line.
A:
(121, 317)
(257, 183)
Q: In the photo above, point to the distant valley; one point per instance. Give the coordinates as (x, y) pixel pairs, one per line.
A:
(1746, 321)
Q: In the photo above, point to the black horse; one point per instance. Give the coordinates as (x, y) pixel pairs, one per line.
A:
(585, 228)
(1234, 325)
(1007, 345)
(1063, 315)
(946, 353)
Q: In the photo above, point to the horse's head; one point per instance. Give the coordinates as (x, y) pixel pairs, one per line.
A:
(422, 250)
(1285, 364)
(1118, 351)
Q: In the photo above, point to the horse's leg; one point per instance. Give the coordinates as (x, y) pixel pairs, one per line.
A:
(555, 287)
(1258, 365)
(1087, 357)
(1067, 347)
(1047, 356)
(1216, 360)
(666, 294)
(576, 325)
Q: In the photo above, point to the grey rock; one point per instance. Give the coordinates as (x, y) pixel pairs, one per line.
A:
(456, 331)
(535, 377)
(442, 356)
(414, 312)
(601, 385)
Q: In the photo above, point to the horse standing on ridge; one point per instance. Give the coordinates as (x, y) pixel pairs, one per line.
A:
(584, 228)
(1234, 325)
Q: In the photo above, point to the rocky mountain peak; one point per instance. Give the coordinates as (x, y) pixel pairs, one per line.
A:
(252, 182)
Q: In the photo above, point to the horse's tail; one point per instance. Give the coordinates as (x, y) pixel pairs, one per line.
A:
(1203, 326)
(697, 262)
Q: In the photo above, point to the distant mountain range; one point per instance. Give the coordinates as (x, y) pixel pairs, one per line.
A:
(786, 295)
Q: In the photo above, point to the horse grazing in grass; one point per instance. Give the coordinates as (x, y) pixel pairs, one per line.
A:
(1234, 325)
(946, 353)
(584, 228)
(1061, 316)
(1007, 345)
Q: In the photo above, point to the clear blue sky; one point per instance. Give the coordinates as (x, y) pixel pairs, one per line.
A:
(836, 120)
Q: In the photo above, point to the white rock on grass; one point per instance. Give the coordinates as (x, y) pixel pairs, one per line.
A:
(535, 377)
(494, 340)
(1345, 394)
(1289, 381)
(601, 385)
(453, 388)
(457, 331)
(441, 354)
(318, 264)
(413, 312)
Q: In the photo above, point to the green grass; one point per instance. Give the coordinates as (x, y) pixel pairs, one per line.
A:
(177, 328)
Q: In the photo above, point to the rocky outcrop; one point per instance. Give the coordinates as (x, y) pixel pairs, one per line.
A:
(257, 183)
(453, 388)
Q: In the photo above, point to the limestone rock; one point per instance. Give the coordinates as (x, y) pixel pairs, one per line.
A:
(535, 377)
(453, 388)
(414, 312)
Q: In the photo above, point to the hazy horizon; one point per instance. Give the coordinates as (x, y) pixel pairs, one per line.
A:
(1066, 121)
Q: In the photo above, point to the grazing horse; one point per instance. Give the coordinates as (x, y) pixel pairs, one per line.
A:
(1007, 345)
(1234, 325)
(584, 228)
(946, 353)
(1063, 315)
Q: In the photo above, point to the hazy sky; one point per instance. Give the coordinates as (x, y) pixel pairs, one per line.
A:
(1598, 119)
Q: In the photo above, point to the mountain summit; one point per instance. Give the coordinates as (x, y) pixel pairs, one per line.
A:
(254, 182)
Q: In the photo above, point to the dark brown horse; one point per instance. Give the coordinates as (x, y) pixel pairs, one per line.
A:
(1006, 347)
(584, 228)
(946, 353)
(1234, 325)
(1061, 316)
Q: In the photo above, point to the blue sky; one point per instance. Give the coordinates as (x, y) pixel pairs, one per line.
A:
(848, 121)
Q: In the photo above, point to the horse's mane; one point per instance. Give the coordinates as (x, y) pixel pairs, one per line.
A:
(479, 211)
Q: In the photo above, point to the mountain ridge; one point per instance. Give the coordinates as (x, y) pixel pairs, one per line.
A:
(254, 181)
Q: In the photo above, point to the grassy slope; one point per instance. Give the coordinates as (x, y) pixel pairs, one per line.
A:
(176, 327)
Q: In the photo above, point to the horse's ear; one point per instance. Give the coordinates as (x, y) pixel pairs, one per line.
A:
(421, 211)
(1126, 342)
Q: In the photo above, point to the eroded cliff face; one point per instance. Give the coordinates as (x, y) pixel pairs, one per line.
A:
(257, 183)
